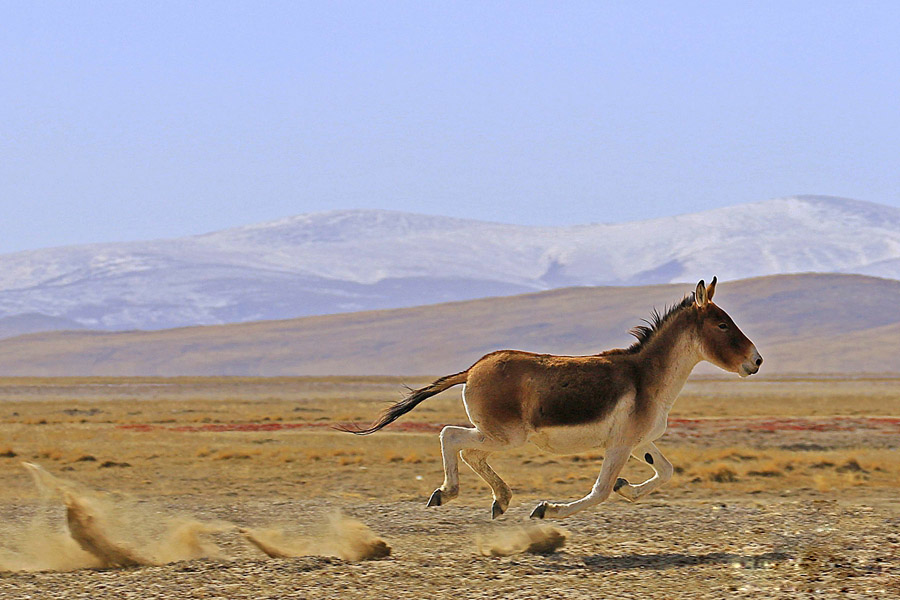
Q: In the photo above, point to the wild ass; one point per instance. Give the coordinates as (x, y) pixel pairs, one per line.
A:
(618, 400)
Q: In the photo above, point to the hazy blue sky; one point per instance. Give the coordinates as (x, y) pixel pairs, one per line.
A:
(129, 120)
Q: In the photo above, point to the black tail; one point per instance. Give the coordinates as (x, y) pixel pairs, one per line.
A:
(407, 404)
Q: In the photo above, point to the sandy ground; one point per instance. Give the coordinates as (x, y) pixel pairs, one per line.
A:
(778, 504)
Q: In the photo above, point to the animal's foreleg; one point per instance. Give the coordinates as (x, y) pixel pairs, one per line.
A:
(651, 455)
(453, 439)
(612, 465)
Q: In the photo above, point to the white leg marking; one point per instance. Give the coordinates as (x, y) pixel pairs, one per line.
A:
(662, 468)
(454, 439)
(612, 466)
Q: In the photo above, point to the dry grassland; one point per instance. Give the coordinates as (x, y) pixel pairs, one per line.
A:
(782, 486)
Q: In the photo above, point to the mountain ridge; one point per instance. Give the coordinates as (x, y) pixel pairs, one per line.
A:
(351, 260)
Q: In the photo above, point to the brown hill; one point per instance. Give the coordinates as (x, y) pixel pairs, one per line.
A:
(801, 323)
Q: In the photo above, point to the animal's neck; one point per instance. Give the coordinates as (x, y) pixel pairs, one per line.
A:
(670, 356)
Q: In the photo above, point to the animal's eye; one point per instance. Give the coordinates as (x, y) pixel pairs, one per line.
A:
(723, 325)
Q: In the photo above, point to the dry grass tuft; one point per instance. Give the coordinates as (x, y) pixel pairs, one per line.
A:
(237, 454)
(768, 469)
(851, 466)
(765, 473)
(412, 458)
(822, 483)
(283, 455)
(721, 473)
(50, 454)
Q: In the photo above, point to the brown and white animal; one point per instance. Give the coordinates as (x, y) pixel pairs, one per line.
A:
(618, 400)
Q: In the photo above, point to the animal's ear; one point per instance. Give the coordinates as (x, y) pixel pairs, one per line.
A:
(700, 298)
(711, 290)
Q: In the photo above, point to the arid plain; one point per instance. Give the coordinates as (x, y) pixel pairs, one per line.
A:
(784, 487)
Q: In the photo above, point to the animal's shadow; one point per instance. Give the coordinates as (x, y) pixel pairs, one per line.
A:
(599, 562)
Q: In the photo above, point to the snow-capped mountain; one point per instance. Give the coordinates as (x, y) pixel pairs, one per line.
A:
(350, 260)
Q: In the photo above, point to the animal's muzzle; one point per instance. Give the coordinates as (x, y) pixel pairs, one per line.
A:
(751, 365)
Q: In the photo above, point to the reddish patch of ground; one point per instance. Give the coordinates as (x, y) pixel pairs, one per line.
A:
(686, 427)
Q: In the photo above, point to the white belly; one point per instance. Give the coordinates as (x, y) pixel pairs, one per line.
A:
(570, 440)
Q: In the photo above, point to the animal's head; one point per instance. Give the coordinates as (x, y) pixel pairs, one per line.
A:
(721, 341)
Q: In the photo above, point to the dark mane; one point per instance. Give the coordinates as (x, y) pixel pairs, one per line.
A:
(645, 333)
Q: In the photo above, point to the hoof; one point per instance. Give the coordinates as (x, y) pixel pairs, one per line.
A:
(539, 511)
(435, 499)
(496, 511)
(619, 483)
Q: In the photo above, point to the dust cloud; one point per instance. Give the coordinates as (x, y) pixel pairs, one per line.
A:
(533, 539)
(341, 536)
(101, 530)
(104, 530)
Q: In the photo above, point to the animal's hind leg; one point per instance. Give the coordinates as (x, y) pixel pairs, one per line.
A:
(453, 439)
(477, 460)
(651, 455)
